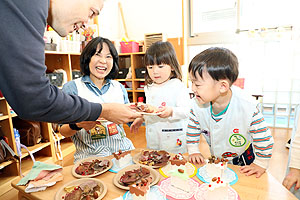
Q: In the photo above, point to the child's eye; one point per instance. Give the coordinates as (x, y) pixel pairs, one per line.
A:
(160, 66)
(109, 56)
(149, 67)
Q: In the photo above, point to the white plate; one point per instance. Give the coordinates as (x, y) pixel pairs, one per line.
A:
(153, 173)
(89, 160)
(61, 192)
(153, 114)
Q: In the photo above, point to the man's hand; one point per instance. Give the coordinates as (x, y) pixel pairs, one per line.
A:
(196, 158)
(137, 123)
(118, 113)
(292, 178)
(252, 169)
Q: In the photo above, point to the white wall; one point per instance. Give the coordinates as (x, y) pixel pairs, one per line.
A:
(141, 16)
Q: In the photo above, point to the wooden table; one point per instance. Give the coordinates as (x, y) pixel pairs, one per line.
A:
(248, 187)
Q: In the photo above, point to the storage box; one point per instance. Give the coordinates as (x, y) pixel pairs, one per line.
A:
(56, 78)
(282, 109)
(292, 121)
(268, 109)
(281, 121)
(122, 73)
(140, 72)
(269, 119)
(76, 74)
(129, 47)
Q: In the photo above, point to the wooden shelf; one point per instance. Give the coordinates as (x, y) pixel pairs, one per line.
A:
(6, 163)
(3, 117)
(34, 149)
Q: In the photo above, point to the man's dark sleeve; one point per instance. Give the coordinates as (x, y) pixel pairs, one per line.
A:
(22, 67)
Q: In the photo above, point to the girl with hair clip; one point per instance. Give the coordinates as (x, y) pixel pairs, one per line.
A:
(99, 66)
(165, 90)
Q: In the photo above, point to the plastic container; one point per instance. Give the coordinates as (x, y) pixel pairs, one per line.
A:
(129, 47)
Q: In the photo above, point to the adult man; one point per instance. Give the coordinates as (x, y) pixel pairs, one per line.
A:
(22, 61)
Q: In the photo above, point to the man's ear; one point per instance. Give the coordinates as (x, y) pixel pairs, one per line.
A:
(224, 85)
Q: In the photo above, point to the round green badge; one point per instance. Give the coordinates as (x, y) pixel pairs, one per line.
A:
(237, 140)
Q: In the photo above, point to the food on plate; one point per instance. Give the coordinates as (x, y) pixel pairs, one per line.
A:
(142, 107)
(134, 176)
(154, 158)
(217, 189)
(180, 178)
(91, 167)
(140, 190)
(178, 160)
(122, 158)
(87, 190)
(215, 167)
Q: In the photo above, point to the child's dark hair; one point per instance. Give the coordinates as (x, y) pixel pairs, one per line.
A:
(162, 53)
(220, 63)
(90, 50)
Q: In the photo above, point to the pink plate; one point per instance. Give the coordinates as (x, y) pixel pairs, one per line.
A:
(200, 193)
(173, 193)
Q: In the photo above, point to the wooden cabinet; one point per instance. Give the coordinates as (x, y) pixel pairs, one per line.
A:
(133, 85)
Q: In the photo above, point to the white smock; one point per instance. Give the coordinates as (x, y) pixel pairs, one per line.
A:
(168, 133)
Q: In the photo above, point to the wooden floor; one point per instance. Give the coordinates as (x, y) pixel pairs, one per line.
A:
(277, 165)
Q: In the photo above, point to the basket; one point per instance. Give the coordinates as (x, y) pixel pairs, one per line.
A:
(122, 73)
(56, 78)
(76, 74)
(129, 47)
(140, 72)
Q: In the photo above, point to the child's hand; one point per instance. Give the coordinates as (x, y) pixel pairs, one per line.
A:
(196, 158)
(292, 178)
(137, 123)
(165, 111)
(251, 169)
(87, 125)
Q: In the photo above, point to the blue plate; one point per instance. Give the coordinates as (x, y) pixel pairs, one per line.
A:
(154, 194)
(116, 169)
(229, 175)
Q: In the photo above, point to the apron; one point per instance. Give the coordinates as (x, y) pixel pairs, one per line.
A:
(166, 133)
(91, 144)
(230, 136)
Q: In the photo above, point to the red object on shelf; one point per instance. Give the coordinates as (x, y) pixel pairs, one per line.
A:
(240, 82)
(1, 95)
(141, 99)
(129, 47)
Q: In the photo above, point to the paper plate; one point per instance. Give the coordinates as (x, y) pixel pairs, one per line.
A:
(115, 168)
(88, 160)
(154, 194)
(173, 193)
(154, 174)
(191, 169)
(201, 193)
(153, 114)
(61, 192)
(136, 159)
(230, 176)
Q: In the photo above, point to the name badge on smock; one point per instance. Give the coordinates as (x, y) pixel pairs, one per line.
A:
(112, 129)
(98, 132)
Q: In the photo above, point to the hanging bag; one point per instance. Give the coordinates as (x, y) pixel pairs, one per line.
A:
(30, 131)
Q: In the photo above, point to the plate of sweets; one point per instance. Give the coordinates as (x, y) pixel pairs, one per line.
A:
(85, 188)
(145, 109)
(135, 174)
(91, 167)
(175, 162)
(152, 158)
